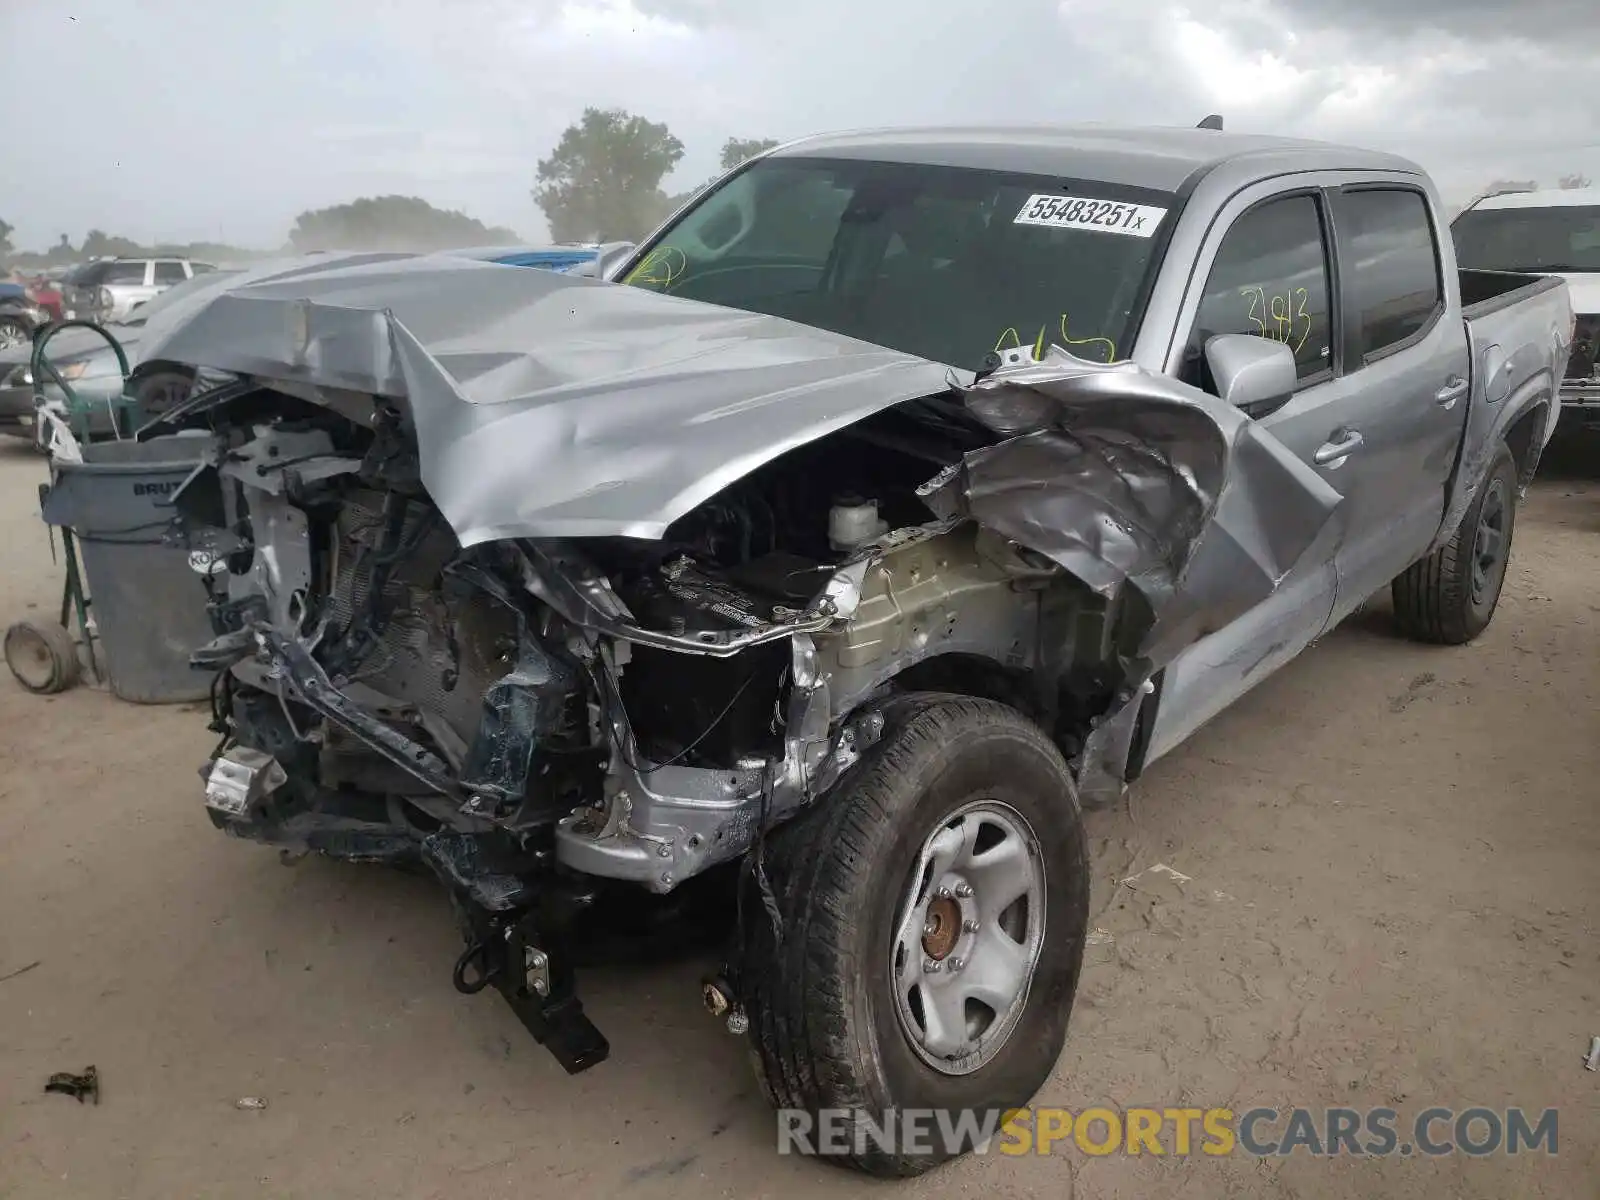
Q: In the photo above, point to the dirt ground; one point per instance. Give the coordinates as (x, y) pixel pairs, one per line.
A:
(1393, 854)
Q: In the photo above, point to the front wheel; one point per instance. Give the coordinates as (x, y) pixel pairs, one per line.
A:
(931, 916)
(1449, 597)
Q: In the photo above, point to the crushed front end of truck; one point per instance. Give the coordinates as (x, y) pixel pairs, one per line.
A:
(562, 589)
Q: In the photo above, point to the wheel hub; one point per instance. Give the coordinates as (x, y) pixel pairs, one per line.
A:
(942, 928)
(32, 662)
(970, 931)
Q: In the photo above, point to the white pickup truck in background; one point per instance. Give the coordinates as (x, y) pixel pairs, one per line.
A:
(108, 289)
(1555, 232)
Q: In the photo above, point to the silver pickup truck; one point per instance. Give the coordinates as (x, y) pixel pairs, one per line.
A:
(812, 569)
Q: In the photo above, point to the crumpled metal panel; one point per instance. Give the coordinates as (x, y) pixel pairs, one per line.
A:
(1126, 478)
(549, 405)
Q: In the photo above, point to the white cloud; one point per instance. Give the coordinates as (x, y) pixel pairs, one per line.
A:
(1233, 76)
(252, 113)
(619, 20)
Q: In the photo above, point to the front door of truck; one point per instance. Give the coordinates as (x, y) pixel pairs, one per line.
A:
(1265, 271)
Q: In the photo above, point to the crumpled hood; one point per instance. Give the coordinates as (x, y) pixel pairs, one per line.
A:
(548, 405)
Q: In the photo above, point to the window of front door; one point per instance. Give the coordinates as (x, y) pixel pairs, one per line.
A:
(1269, 279)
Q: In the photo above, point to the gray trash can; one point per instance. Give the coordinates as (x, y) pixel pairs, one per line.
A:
(149, 606)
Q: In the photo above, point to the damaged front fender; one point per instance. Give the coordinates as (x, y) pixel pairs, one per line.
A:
(1137, 482)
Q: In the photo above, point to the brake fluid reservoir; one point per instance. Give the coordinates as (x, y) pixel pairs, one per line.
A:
(852, 523)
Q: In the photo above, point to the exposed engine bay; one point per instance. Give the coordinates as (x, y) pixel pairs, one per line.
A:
(514, 680)
(541, 716)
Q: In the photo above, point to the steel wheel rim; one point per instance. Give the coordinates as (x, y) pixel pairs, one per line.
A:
(1488, 543)
(11, 335)
(968, 938)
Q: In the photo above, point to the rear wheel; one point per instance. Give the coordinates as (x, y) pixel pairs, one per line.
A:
(1449, 597)
(933, 912)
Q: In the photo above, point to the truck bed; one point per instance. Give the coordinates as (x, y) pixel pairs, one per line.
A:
(1515, 325)
(1486, 292)
(1518, 327)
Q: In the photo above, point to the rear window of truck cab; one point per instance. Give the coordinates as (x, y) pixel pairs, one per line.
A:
(947, 263)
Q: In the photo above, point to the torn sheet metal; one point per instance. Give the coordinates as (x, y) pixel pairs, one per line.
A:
(1133, 480)
(1128, 478)
(549, 405)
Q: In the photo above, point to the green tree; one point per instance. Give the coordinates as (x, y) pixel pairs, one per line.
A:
(59, 255)
(391, 223)
(1575, 181)
(738, 150)
(6, 231)
(99, 244)
(603, 180)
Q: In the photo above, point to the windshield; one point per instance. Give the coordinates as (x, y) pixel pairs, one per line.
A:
(143, 312)
(950, 264)
(1565, 238)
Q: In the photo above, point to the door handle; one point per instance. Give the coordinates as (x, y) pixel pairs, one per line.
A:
(1332, 453)
(1455, 388)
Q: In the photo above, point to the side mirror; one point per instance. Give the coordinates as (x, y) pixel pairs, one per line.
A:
(1254, 374)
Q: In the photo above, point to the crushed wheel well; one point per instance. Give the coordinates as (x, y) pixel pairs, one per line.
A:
(981, 678)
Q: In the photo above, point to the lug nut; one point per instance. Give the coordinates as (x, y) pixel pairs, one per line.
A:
(932, 966)
(964, 890)
(970, 925)
(957, 963)
(943, 893)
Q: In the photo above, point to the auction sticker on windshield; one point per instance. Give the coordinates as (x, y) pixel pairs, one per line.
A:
(1080, 212)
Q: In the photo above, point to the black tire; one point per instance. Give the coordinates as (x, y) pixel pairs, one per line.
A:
(152, 395)
(43, 656)
(825, 1028)
(157, 392)
(1449, 597)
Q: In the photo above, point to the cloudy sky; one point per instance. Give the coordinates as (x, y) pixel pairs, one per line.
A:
(183, 120)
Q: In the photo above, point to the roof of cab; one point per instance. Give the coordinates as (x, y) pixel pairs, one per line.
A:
(1152, 157)
(1549, 198)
